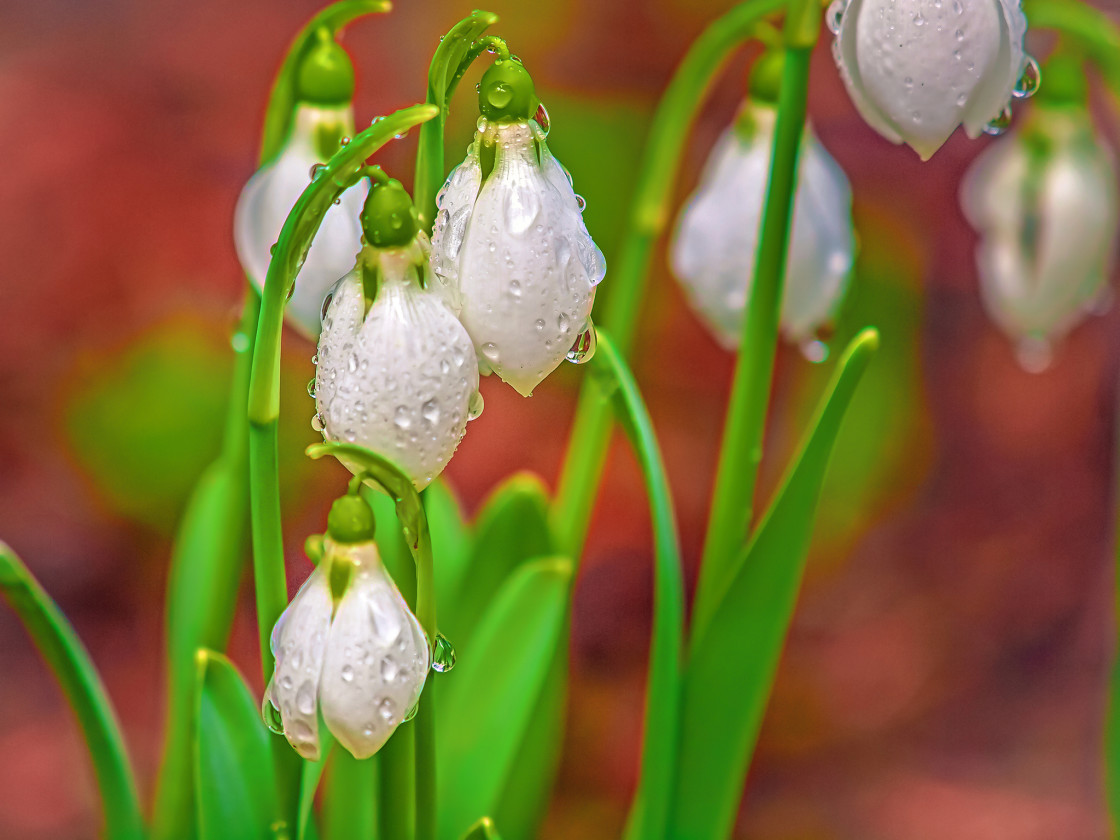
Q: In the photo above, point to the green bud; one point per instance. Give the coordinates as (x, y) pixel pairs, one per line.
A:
(388, 218)
(766, 76)
(506, 92)
(350, 520)
(326, 76)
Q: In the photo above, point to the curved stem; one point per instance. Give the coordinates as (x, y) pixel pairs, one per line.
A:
(1091, 28)
(741, 449)
(649, 215)
(68, 659)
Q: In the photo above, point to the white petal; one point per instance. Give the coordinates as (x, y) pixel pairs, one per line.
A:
(922, 63)
(527, 266)
(993, 95)
(298, 643)
(715, 246)
(845, 51)
(398, 379)
(267, 199)
(377, 659)
(455, 201)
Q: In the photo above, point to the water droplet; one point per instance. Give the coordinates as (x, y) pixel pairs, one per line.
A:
(581, 202)
(962, 100)
(317, 422)
(481, 123)
(400, 136)
(271, 716)
(583, 348)
(490, 351)
(957, 7)
(239, 342)
(1029, 81)
(272, 249)
(959, 35)
(919, 19)
(326, 305)
(311, 388)
(475, 406)
(411, 713)
(814, 350)
(1034, 354)
(317, 170)
(539, 324)
(443, 654)
(563, 322)
(515, 288)
(401, 419)
(908, 81)
(542, 119)
(389, 669)
(998, 125)
(430, 412)
(376, 120)
(347, 673)
(835, 15)
(385, 708)
(305, 699)
(500, 95)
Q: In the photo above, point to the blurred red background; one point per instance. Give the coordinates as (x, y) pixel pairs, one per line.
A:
(946, 672)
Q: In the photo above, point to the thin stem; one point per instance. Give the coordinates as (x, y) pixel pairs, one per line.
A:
(625, 285)
(741, 449)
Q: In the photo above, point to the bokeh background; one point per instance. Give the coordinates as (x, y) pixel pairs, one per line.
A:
(945, 675)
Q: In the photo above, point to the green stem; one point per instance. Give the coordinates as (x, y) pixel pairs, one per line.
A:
(69, 661)
(1091, 28)
(741, 449)
(396, 819)
(649, 215)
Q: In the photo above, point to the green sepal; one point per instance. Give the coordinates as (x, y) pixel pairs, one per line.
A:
(388, 217)
(734, 655)
(326, 74)
(350, 520)
(234, 785)
(506, 92)
(766, 76)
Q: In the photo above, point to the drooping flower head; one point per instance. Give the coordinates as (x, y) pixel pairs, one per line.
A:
(510, 240)
(395, 370)
(324, 115)
(1045, 204)
(347, 647)
(714, 249)
(916, 69)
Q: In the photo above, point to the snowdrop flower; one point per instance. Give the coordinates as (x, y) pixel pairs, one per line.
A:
(347, 646)
(714, 248)
(396, 371)
(510, 240)
(916, 69)
(324, 115)
(1044, 202)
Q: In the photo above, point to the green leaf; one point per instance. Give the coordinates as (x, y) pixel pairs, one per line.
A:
(311, 773)
(734, 656)
(350, 798)
(483, 830)
(451, 539)
(511, 528)
(234, 783)
(69, 661)
(649, 812)
(486, 706)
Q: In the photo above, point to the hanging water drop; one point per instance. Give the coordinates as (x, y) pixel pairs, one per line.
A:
(411, 713)
(311, 387)
(317, 422)
(271, 716)
(1028, 82)
(475, 406)
(835, 15)
(998, 125)
(583, 348)
(317, 170)
(541, 118)
(581, 202)
(443, 654)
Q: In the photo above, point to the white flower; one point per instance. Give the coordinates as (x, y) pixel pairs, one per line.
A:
(269, 196)
(1044, 202)
(714, 248)
(397, 375)
(362, 661)
(514, 246)
(916, 69)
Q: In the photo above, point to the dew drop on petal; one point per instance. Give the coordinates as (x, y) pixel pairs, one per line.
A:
(305, 699)
(581, 202)
(311, 388)
(430, 412)
(385, 709)
(583, 348)
(389, 669)
(835, 15)
(542, 119)
(1028, 82)
(347, 673)
(316, 170)
(999, 124)
(401, 419)
(326, 305)
(271, 716)
(443, 654)
(411, 713)
(490, 351)
(317, 422)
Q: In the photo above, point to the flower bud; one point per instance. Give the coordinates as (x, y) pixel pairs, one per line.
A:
(916, 69)
(714, 249)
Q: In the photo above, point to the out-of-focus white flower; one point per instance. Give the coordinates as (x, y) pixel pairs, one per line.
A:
(510, 238)
(397, 375)
(1044, 202)
(269, 196)
(916, 69)
(358, 656)
(714, 248)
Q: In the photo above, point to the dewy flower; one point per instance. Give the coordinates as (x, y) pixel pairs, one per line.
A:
(323, 116)
(1044, 201)
(714, 249)
(396, 371)
(510, 239)
(347, 646)
(916, 69)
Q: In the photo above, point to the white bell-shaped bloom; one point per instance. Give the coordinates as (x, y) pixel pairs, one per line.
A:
(269, 197)
(361, 662)
(916, 69)
(397, 375)
(1045, 205)
(714, 248)
(512, 241)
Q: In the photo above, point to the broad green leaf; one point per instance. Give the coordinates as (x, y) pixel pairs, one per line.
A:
(234, 784)
(350, 798)
(734, 656)
(649, 813)
(69, 661)
(451, 538)
(486, 705)
(483, 830)
(511, 527)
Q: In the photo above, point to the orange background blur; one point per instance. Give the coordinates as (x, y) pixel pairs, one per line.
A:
(946, 672)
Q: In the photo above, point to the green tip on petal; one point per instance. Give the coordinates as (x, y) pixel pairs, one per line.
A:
(350, 520)
(506, 92)
(389, 219)
(326, 75)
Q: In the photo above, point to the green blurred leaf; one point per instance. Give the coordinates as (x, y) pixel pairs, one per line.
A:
(234, 782)
(734, 656)
(311, 773)
(69, 661)
(350, 798)
(486, 706)
(451, 538)
(511, 528)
